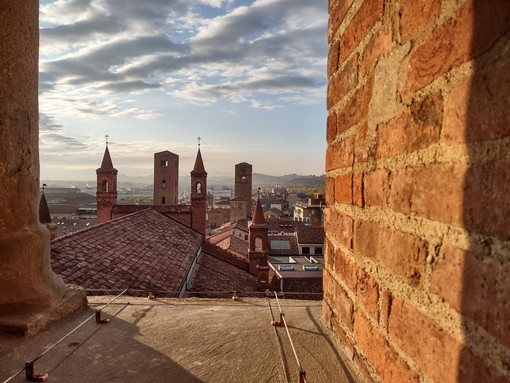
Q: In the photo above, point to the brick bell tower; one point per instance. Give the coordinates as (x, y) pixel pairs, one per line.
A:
(106, 192)
(259, 247)
(198, 194)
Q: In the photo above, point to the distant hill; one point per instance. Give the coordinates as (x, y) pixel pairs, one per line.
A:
(259, 180)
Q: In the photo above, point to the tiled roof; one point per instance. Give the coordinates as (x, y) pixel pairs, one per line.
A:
(215, 275)
(144, 250)
(107, 164)
(310, 235)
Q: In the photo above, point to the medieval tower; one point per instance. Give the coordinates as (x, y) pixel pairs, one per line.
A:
(106, 194)
(259, 246)
(198, 195)
(243, 184)
(166, 178)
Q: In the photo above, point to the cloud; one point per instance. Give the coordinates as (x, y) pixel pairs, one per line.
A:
(244, 54)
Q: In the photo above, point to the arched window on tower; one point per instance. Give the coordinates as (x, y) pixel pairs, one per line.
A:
(243, 179)
(164, 162)
(199, 188)
(105, 187)
(163, 184)
(258, 243)
(163, 200)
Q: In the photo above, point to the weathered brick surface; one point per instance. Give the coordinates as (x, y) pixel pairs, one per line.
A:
(368, 14)
(457, 40)
(416, 128)
(475, 285)
(332, 127)
(422, 339)
(340, 84)
(337, 15)
(356, 109)
(358, 189)
(416, 14)
(376, 186)
(335, 294)
(379, 46)
(389, 366)
(340, 227)
(402, 254)
(472, 100)
(340, 154)
(431, 192)
(343, 189)
(333, 58)
(330, 191)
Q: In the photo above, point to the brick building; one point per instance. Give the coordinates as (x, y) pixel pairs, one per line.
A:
(166, 178)
(417, 254)
(243, 185)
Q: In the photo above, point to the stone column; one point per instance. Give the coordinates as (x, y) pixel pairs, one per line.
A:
(27, 282)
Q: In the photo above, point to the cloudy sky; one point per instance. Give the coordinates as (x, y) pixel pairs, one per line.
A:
(248, 76)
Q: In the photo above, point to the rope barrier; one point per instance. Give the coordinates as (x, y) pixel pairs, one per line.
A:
(29, 366)
(279, 345)
(302, 373)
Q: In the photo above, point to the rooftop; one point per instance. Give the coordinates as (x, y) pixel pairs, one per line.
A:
(182, 340)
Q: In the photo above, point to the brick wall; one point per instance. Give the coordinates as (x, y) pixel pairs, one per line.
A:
(417, 278)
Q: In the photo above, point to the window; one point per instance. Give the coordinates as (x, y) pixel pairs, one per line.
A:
(164, 162)
(305, 250)
(199, 188)
(105, 186)
(163, 184)
(258, 243)
(163, 200)
(318, 250)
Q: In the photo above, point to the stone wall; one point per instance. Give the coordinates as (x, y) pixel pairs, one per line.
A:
(417, 279)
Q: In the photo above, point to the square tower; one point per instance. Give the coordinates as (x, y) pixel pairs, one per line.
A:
(166, 178)
(243, 184)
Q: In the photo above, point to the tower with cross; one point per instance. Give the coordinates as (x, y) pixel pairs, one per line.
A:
(106, 192)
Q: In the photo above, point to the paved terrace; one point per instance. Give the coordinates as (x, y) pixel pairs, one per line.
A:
(182, 340)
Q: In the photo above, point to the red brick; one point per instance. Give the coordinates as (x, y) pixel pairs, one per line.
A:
(367, 292)
(477, 288)
(336, 16)
(362, 23)
(333, 58)
(458, 40)
(386, 362)
(341, 83)
(358, 189)
(340, 154)
(379, 46)
(421, 338)
(433, 192)
(343, 189)
(356, 109)
(386, 300)
(339, 300)
(376, 186)
(471, 101)
(416, 14)
(401, 253)
(332, 320)
(339, 227)
(330, 191)
(416, 128)
(363, 144)
(345, 270)
(331, 127)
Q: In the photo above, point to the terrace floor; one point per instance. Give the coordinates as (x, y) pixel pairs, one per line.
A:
(182, 340)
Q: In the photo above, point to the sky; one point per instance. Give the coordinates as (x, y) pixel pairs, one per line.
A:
(247, 76)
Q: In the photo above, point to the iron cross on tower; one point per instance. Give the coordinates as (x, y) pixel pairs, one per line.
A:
(106, 136)
(199, 138)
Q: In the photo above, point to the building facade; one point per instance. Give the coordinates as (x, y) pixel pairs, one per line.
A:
(166, 178)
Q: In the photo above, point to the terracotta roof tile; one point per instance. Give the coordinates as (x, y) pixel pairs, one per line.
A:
(310, 235)
(144, 250)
